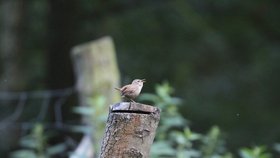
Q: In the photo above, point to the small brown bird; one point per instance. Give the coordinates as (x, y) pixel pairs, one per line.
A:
(131, 91)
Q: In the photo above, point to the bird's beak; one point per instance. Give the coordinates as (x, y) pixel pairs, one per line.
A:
(143, 80)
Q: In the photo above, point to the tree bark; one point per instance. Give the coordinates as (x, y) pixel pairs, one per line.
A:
(130, 131)
(11, 44)
(12, 75)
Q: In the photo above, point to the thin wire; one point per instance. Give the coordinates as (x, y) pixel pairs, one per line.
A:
(36, 94)
(29, 125)
(46, 95)
(18, 110)
(58, 110)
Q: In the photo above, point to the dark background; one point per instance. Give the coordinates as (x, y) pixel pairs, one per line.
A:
(221, 56)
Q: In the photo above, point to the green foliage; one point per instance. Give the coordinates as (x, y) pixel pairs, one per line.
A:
(35, 145)
(255, 152)
(95, 115)
(218, 58)
(175, 139)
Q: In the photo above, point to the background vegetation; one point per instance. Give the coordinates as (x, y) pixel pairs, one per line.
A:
(221, 56)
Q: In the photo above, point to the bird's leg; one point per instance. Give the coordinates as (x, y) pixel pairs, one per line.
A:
(130, 103)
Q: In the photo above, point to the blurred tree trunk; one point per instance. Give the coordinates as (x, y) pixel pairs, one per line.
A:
(12, 74)
(62, 24)
(11, 44)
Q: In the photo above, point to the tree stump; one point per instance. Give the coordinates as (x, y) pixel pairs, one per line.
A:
(130, 130)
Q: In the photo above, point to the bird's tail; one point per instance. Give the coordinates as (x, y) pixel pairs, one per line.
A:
(118, 89)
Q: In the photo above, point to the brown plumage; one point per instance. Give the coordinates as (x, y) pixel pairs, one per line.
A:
(131, 91)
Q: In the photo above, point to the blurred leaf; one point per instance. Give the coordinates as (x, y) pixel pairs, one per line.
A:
(55, 149)
(212, 143)
(28, 142)
(36, 140)
(191, 136)
(161, 148)
(188, 154)
(98, 101)
(164, 90)
(23, 154)
(176, 101)
(175, 121)
(255, 152)
(179, 138)
(81, 129)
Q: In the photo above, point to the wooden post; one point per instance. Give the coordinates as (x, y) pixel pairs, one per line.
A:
(97, 75)
(129, 132)
(96, 70)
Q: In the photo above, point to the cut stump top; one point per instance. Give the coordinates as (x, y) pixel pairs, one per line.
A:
(133, 107)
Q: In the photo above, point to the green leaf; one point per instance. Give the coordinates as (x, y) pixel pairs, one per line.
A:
(255, 152)
(59, 148)
(191, 136)
(164, 90)
(23, 154)
(176, 121)
(28, 142)
(188, 154)
(98, 101)
(81, 129)
(179, 138)
(160, 148)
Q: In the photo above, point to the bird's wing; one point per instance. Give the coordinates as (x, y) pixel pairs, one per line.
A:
(127, 90)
